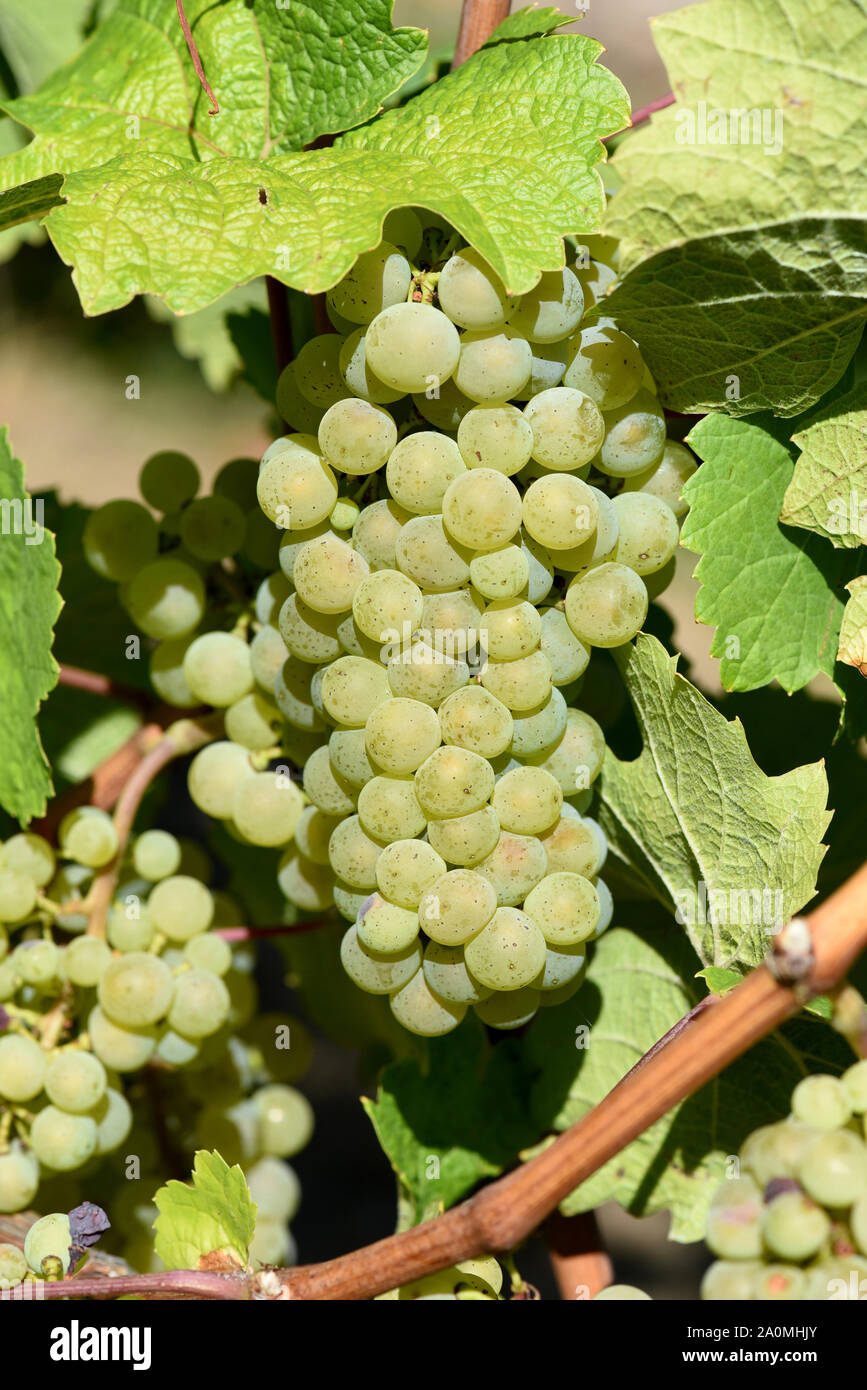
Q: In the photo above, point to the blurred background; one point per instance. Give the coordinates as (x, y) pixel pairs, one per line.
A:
(62, 393)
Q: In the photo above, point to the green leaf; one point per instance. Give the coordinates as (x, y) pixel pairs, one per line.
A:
(533, 21)
(29, 201)
(634, 993)
(36, 36)
(251, 338)
(502, 148)
(757, 260)
(828, 492)
(462, 1119)
(853, 631)
(772, 593)
(29, 605)
(736, 852)
(213, 1216)
(208, 338)
(719, 981)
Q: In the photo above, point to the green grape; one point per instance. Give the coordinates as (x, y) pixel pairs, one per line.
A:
(272, 1244)
(857, 1222)
(621, 1293)
(494, 364)
(565, 906)
(730, 1281)
(17, 895)
(49, 1238)
(474, 719)
(128, 929)
(418, 1009)
(443, 405)
(508, 953)
(566, 653)
(325, 788)
(498, 437)
(456, 907)
(552, 310)
(447, 976)
(353, 854)
(266, 809)
(327, 572)
(500, 574)
(386, 604)
(282, 1045)
(548, 365)
(778, 1282)
(348, 754)
(527, 800)
(180, 907)
(345, 514)
(607, 606)
(775, 1151)
(560, 511)
(293, 693)
(835, 1279)
(30, 855)
(13, 1267)
(285, 1120)
(426, 674)
(217, 668)
(313, 832)
(201, 1004)
(821, 1102)
(667, 478)
(19, 1176)
(267, 656)
(22, 1067)
(271, 594)
(575, 845)
(375, 533)
(378, 279)
(309, 635)
(513, 868)
(62, 1141)
(421, 468)
(854, 1083)
(794, 1227)
(481, 509)
(317, 371)
(85, 961)
(541, 569)
(119, 1049)
(606, 908)
(297, 489)
(119, 539)
(384, 928)
(4, 943)
(389, 810)
(657, 584)
(576, 760)
(292, 543)
(403, 229)
(429, 556)
(237, 481)
(568, 428)
(75, 1081)
(352, 687)
(348, 901)
(275, 1189)
(113, 1118)
(453, 782)
(451, 622)
(168, 481)
(174, 1050)
(166, 599)
(410, 345)
(647, 532)
(37, 962)
(405, 870)
(564, 966)
(471, 293)
(233, 1130)
(213, 528)
(167, 673)
(599, 547)
(156, 854)
(511, 629)
(379, 974)
(214, 775)
(465, 840)
(596, 279)
(833, 1170)
(88, 835)
(607, 366)
(509, 1009)
(357, 374)
(137, 989)
(537, 731)
(520, 685)
(357, 437)
(254, 722)
(634, 436)
(734, 1223)
(299, 413)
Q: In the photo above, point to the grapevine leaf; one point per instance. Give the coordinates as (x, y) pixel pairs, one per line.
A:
(853, 632)
(634, 993)
(736, 852)
(745, 250)
(250, 333)
(772, 593)
(533, 21)
(502, 148)
(828, 492)
(29, 606)
(462, 1119)
(36, 36)
(208, 338)
(214, 1215)
(719, 981)
(29, 201)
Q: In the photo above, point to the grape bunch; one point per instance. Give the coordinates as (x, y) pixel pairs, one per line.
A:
(160, 990)
(793, 1225)
(479, 491)
(478, 1280)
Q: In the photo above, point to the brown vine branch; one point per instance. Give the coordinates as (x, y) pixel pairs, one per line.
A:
(281, 324)
(96, 684)
(281, 929)
(581, 1264)
(197, 62)
(479, 19)
(170, 1284)
(644, 113)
